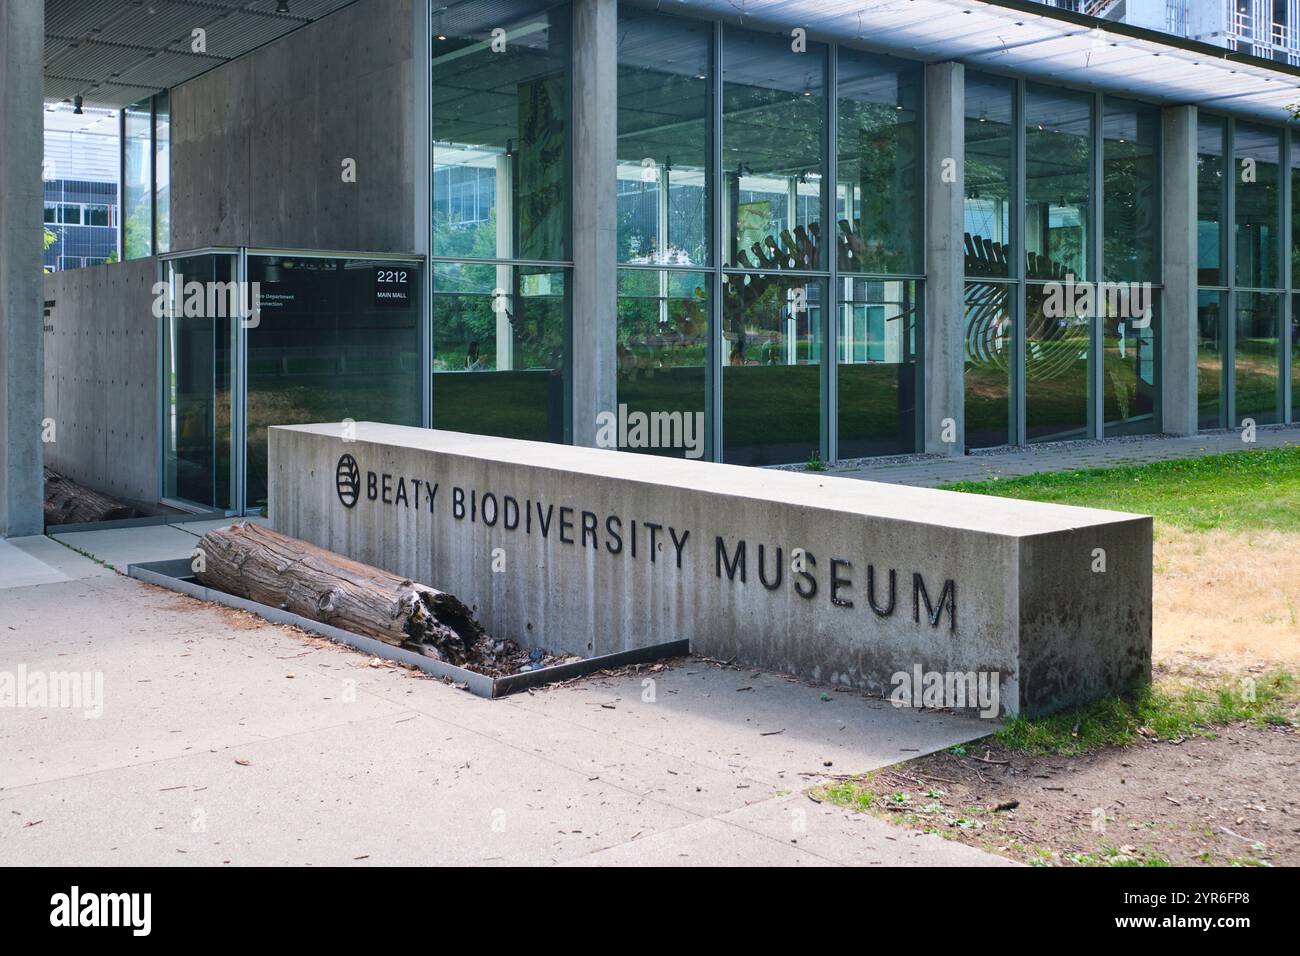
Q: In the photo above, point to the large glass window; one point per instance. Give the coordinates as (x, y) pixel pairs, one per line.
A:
(1057, 347)
(1130, 375)
(1255, 364)
(989, 320)
(198, 358)
(773, 123)
(1210, 201)
(162, 172)
(1295, 358)
(333, 339)
(663, 140)
(1058, 195)
(500, 109)
(878, 325)
(1258, 229)
(501, 191)
(1211, 330)
(663, 322)
(774, 107)
(1131, 256)
(990, 159)
(1058, 181)
(990, 359)
(1131, 192)
(499, 342)
(771, 378)
(137, 181)
(879, 211)
(879, 221)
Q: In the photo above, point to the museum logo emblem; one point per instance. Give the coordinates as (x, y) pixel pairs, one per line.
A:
(347, 481)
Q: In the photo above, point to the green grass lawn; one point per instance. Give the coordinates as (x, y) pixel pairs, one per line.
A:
(1246, 490)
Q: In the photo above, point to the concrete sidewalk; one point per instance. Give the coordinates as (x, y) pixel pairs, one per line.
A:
(226, 740)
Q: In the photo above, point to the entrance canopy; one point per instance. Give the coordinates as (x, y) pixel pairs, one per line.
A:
(1030, 39)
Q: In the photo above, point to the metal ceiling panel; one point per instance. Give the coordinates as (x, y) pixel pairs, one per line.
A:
(114, 52)
(166, 69)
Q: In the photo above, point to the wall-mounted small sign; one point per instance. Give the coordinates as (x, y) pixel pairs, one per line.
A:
(393, 286)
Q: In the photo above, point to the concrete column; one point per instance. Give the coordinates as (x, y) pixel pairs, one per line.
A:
(1178, 330)
(593, 364)
(945, 259)
(22, 352)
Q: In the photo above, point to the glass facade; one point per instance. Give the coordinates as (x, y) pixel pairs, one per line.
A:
(770, 262)
(1257, 386)
(665, 197)
(1057, 230)
(990, 294)
(879, 229)
(501, 219)
(199, 347)
(146, 177)
(137, 180)
(1257, 186)
(162, 189)
(1062, 237)
(333, 339)
(1244, 320)
(1211, 204)
(774, 170)
(796, 292)
(498, 349)
(1211, 334)
(1131, 218)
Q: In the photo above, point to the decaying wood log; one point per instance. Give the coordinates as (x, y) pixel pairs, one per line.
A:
(261, 565)
(67, 502)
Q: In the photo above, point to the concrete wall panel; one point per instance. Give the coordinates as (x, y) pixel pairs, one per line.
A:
(257, 144)
(101, 378)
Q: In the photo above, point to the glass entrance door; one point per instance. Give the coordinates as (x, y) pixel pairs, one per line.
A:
(200, 328)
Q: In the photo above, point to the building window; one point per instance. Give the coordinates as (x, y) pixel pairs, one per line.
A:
(663, 140)
(1255, 370)
(137, 181)
(501, 193)
(1211, 136)
(1240, 361)
(1131, 215)
(1257, 184)
(989, 295)
(146, 177)
(335, 339)
(774, 167)
(879, 229)
(664, 190)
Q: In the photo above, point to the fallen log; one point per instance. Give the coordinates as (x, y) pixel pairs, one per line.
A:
(261, 565)
(67, 502)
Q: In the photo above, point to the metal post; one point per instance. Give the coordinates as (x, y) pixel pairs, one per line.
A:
(1096, 272)
(1019, 287)
(830, 413)
(715, 353)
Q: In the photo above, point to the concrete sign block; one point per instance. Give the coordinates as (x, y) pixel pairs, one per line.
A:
(875, 586)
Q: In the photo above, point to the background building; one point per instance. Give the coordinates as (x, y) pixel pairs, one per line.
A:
(80, 169)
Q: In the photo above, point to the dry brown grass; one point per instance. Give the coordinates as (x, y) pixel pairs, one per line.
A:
(1226, 600)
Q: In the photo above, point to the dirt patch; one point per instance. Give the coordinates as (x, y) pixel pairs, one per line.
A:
(1202, 802)
(1226, 601)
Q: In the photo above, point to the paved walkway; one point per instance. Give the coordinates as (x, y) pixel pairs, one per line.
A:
(1061, 456)
(227, 740)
